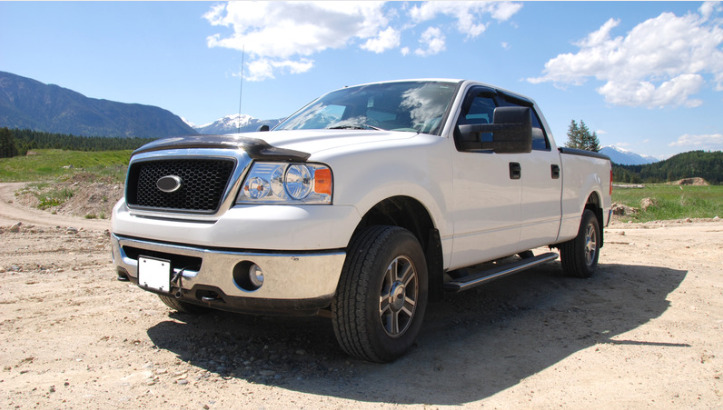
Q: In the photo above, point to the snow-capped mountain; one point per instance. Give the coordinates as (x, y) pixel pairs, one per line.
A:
(234, 123)
(189, 123)
(622, 156)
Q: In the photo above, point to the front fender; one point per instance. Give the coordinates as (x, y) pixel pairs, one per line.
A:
(420, 170)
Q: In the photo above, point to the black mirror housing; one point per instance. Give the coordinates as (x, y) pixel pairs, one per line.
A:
(511, 130)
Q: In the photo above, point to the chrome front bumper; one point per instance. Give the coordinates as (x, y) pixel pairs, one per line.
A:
(292, 281)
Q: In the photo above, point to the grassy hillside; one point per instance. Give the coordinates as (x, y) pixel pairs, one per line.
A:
(51, 164)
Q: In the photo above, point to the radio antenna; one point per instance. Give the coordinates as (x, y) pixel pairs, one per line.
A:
(241, 91)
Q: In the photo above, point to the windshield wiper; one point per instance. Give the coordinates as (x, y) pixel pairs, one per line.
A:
(355, 127)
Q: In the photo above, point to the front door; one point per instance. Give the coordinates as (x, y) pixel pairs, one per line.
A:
(486, 192)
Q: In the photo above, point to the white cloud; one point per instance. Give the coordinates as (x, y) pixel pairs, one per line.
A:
(645, 94)
(282, 37)
(386, 40)
(661, 62)
(504, 10)
(264, 68)
(708, 8)
(432, 41)
(282, 30)
(712, 142)
(467, 13)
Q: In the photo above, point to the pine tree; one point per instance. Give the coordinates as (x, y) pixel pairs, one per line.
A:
(573, 136)
(594, 143)
(579, 136)
(584, 135)
(7, 144)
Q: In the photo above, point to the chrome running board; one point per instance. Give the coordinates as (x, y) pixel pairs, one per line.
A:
(481, 277)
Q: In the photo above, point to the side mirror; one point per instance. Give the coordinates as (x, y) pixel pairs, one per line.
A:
(263, 128)
(511, 131)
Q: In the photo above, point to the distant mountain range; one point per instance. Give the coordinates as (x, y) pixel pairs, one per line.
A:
(29, 104)
(622, 156)
(235, 123)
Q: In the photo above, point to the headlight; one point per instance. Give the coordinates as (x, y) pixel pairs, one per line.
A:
(274, 182)
(298, 181)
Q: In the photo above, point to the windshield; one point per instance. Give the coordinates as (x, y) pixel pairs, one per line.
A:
(415, 106)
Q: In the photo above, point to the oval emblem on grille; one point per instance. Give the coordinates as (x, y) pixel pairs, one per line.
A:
(169, 183)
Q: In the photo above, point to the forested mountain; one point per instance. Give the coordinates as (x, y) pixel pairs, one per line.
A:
(707, 165)
(29, 104)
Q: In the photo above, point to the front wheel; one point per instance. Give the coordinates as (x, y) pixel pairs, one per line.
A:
(382, 294)
(579, 256)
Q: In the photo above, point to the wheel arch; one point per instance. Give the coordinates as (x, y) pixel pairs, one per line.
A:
(594, 203)
(409, 213)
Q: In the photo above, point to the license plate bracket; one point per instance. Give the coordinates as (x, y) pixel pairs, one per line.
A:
(154, 274)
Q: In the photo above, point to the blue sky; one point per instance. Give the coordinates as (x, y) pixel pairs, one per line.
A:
(646, 76)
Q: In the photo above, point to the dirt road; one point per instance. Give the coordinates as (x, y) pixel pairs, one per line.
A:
(646, 331)
(12, 212)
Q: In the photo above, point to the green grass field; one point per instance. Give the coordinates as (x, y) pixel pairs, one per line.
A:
(54, 164)
(672, 201)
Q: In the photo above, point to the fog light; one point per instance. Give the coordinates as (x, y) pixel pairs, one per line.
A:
(248, 276)
(256, 276)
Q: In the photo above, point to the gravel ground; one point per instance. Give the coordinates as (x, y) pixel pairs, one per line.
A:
(644, 332)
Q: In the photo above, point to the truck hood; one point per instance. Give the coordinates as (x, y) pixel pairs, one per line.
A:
(296, 145)
(314, 141)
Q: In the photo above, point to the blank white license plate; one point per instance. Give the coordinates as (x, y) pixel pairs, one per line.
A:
(154, 274)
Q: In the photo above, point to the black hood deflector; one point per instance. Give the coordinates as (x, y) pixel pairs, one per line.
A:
(256, 148)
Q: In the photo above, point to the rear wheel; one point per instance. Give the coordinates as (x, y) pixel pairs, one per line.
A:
(579, 256)
(382, 294)
(183, 307)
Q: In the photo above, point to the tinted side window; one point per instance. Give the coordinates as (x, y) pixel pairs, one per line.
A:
(478, 108)
(480, 111)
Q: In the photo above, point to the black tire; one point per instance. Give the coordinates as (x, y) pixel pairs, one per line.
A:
(183, 307)
(579, 256)
(382, 294)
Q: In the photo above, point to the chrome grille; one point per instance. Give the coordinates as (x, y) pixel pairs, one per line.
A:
(203, 183)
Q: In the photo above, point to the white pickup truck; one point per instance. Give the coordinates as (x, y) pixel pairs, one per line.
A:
(362, 206)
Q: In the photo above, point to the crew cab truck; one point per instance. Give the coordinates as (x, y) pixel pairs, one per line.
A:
(362, 206)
